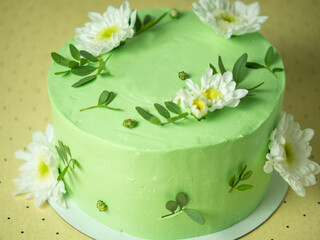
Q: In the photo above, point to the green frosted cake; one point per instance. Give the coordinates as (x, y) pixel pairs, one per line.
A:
(137, 171)
(167, 123)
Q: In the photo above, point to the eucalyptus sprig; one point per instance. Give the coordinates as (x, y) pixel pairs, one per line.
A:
(268, 60)
(242, 176)
(65, 155)
(147, 23)
(104, 100)
(80, 64)
(164, 112)
(181, 201)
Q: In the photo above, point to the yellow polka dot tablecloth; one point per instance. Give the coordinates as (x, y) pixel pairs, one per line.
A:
(31, 29)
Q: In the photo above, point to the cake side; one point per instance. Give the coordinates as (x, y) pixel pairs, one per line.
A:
(137, 184)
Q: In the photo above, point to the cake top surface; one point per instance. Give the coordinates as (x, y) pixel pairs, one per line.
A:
(145, 71)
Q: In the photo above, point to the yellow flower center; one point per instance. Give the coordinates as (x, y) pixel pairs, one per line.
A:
(289, 153)
(43, 168)
(106, 33)
(228, 17)
(211, 94)
(199, 103)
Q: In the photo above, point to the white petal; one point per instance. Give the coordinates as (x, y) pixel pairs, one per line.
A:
(95, 16)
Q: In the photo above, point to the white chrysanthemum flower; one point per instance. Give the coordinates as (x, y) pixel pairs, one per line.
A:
(106, 31)
(220, 91)
(193, 100)
(40, 171)
(227, 19)
(289, 155)
(217, 91)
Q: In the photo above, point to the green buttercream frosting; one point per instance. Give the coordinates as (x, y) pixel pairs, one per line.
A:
(138, 170)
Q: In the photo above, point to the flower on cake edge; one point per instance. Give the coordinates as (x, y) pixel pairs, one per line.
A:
(217, 91)
(106, 31)
(289, 154)
(39, 173)
(227, 19)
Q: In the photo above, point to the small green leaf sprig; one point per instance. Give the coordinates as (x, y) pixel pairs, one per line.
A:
(65, 155)
(242, 176)
(181, 201)
(104, 100)
(80, 65)
(268, 60)
(147, 23)
(238, 70)
(164, 112)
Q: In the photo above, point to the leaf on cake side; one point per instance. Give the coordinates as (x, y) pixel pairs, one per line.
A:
(65, 155)
(181, 201)
(242, 176)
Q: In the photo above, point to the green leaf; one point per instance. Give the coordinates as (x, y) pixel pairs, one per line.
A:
(88, 56)
(60, 153)
(195, 216)
(269, 56)
(103, 64)
(172, 206)
(173, 119)
(221, 66)
(148, 116)
(147, 19)
(254, 65)
(75, 163)
(60, 59)
(60, 73)
(162, 111)
(247, 175)
(214, 70)
(63, 150)
(73, 64)
(172, 107)
(68, 150)
(239, 68)
(232, 180)
(83, 61)
(103, 97)
(277, 70)
(137, 25)
(244, 187)
(74, 52)
(150, 24)
(242, 171)
(83, 70)
(181, 199)
(111, 97)
(155, 120)
(250, 89)
(61, 175)
(84, 80)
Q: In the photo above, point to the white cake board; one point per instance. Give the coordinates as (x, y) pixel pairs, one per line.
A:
(92, 228)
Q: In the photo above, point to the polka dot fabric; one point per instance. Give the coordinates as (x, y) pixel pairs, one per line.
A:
(31, 29)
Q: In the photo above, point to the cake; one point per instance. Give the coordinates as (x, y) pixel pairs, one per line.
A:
(210, 167)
